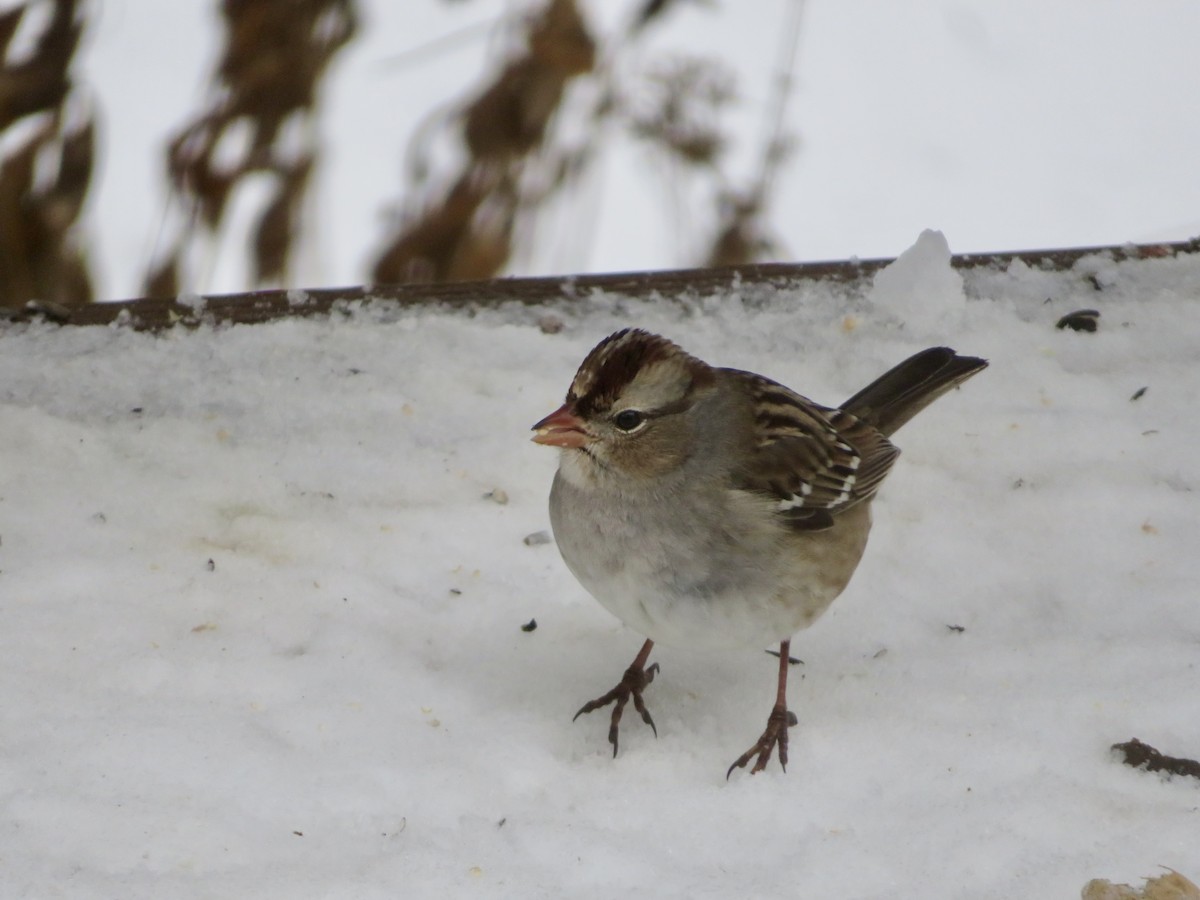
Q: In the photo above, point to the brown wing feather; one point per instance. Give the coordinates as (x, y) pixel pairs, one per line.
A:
(815, 460)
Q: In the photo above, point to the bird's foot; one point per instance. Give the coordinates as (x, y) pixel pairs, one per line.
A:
(633, 682)
(775, 735)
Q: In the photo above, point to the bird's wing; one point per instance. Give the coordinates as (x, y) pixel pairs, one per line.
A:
(815, 461)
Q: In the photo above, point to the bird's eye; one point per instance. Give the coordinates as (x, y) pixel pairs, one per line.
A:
(628, 419)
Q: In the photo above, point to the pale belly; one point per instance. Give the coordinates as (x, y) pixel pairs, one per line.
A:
(678, 580)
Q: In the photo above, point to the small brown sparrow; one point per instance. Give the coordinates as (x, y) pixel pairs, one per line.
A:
(715, 507)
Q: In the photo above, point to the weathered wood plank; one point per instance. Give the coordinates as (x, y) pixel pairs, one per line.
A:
(155, 314)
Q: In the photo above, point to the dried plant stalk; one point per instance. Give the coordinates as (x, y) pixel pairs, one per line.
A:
(44, 177)
(1171, 886)
(265, 87)
(467, 232)
(517, 159)
(741, 235)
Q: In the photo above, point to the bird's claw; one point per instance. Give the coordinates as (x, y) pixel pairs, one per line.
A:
(633, 682)
(774, 735)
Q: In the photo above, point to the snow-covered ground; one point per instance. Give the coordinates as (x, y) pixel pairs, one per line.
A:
(260, 611)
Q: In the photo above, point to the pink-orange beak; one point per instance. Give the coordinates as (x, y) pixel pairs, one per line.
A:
(562, 428)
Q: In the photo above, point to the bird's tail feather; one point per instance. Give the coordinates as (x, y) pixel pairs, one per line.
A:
(900, 393)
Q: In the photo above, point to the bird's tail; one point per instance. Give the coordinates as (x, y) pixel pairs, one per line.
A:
(900, 393)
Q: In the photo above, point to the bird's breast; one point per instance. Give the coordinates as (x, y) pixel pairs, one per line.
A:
(708, 569)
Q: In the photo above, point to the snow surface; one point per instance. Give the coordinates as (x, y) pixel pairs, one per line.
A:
(260, 611)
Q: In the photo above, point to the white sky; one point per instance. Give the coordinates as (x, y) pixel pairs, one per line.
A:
(1016, 125)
